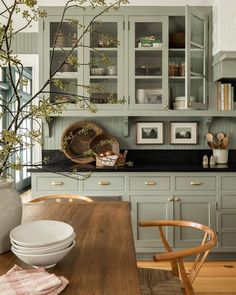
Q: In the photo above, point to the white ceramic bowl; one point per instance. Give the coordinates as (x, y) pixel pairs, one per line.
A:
(41, 233)
(44, 260)
(43, 250)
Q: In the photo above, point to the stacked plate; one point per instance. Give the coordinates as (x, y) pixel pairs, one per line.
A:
(179, 103)
(42, 243)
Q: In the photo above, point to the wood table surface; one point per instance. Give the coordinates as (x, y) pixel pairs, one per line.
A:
(103, 260)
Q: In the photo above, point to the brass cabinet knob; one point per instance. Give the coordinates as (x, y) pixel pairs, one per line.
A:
(57, 182)
(165, 106)
(150, 182)
(177, 199)
(104, 182)
(196, 182)
(170, 199)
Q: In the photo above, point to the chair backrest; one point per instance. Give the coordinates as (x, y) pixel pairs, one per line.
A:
(200, 252)
(62, 198)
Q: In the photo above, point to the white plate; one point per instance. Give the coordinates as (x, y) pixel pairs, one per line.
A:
(41, 233)
(46, 249)
(45, 260)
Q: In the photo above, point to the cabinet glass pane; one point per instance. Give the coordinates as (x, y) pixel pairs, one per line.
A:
(176, 90)
(103, 63)
(176, 32)
(197, 89)
(197, 30)
(148, 34)
(66, 36)
(148, 91)
(197, 62)
(61, 95)
(176, 63)
(103, 34)
(148, 63)
(59, 57)
(105, 90)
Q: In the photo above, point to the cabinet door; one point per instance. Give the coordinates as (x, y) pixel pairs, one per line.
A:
(58, 42)
(150, 208)
(196, 58)
(148, 59)
(104, 57)
(201, 209)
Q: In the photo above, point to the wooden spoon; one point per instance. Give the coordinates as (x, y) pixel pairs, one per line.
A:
(220, 136)
(210, 142)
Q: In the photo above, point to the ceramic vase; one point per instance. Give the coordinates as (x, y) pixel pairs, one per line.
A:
(10, 212)
(221, 156)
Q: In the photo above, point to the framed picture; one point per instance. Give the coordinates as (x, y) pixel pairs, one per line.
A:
(153, 96)
(149, 132)
(183, 132)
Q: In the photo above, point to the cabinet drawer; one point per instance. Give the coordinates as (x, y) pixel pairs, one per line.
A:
(196, 183)
(104, 183)
(63, 184)
(228, 183)
(150, 183)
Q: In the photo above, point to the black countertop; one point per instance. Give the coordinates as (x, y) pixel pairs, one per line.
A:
(143, 161)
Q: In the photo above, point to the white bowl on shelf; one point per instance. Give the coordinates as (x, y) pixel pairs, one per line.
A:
(41, 233)
(43, 260)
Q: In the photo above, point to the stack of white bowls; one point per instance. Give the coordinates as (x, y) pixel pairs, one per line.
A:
(179, 103)
(42, 243)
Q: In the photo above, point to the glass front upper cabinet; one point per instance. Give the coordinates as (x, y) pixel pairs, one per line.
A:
(148, 59)
(103, 71)
(196, 58)
(61, 39)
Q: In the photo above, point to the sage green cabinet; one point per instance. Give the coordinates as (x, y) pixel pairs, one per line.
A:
(227, 213)
(197, 208)
(160, 61)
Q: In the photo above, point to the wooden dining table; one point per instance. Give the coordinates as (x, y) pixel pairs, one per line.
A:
(103, 261)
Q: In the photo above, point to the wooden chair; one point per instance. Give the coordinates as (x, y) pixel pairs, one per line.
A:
(61, 198)
(177, 280)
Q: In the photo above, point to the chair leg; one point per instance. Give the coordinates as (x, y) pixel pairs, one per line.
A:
(187, 284)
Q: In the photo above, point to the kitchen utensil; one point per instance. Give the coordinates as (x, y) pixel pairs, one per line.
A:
(76, 138)
(225, 142)
(210, 140)
(220, 136)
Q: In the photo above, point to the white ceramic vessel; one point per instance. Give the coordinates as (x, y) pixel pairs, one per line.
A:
(44, 260)
(41, 233)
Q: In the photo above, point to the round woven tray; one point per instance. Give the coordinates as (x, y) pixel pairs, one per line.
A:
(76, 138)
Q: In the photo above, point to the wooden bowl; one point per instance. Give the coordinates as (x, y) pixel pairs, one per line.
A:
(76, 139)
(104, 142)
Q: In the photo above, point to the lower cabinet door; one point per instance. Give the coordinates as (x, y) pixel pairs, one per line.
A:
(201, 209)
(145, 208)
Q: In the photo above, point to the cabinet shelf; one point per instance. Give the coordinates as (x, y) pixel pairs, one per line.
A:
(148, 49)
(66, 75)
(62, 48)
(103, 49)
(148, 77)
(102, 77)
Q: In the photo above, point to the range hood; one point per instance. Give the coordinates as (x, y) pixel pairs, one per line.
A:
(224, 66)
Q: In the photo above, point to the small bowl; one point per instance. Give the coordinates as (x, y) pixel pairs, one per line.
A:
(97, 71)
(43, 260)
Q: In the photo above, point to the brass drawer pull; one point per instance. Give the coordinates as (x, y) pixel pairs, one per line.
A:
(57, 182)
(196, 182)
(150, 182)
(104, 183)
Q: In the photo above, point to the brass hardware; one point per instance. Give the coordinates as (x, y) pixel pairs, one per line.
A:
(177, 199)
(104, 183)
(190, 104)
(57, 182)
(193, 182)
(170, 199)
(150, 182)
(165, 106)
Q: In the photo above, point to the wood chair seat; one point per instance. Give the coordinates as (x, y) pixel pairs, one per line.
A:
(159, 282)
(62, 198)
(178, 280)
